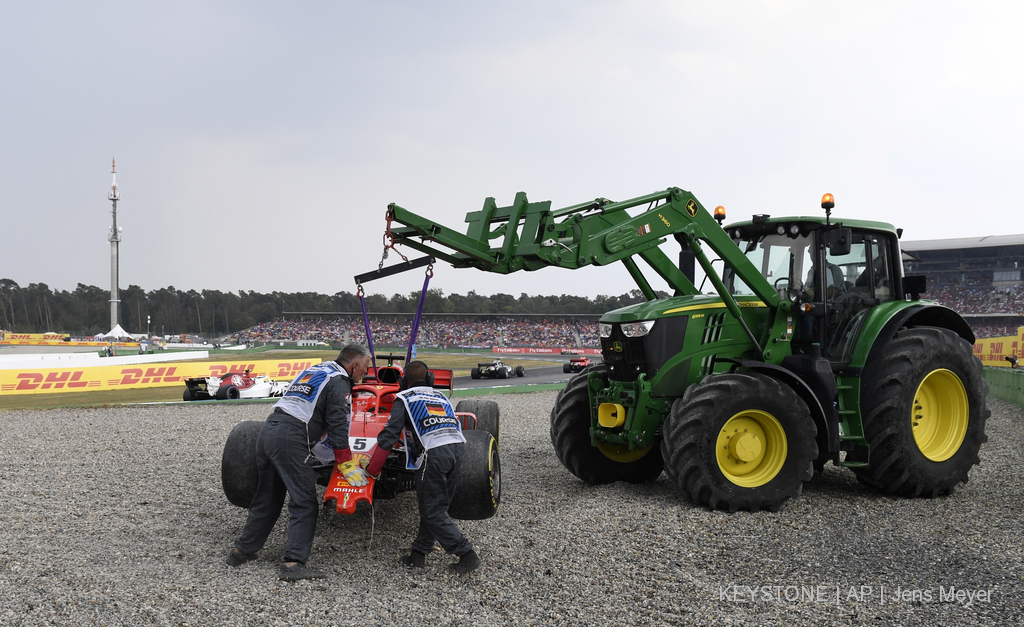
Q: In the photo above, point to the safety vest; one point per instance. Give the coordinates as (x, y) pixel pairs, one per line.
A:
(300, 398)
(433, 419)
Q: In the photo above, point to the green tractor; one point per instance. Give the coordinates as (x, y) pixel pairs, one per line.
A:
(813, 348)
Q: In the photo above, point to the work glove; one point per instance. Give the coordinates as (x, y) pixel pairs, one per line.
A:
(376, 462)
(353, 473)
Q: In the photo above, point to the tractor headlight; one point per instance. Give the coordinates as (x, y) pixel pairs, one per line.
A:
(604, 329)
(637, 329)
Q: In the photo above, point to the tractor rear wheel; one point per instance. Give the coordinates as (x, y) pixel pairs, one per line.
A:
(925, 421)
(739, 441)
(477, 479)
(488, 415)
(605, 463)
(238, 473)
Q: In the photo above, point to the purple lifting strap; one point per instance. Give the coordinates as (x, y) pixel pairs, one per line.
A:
(369, 335)
(419, 313)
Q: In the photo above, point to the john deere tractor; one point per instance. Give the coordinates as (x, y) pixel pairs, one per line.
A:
(813, 348)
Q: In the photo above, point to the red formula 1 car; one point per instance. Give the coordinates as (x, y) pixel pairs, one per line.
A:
(478, 483)
(577, 364)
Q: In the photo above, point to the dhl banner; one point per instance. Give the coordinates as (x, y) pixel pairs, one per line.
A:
(63, 343)
(71, 379)
(35, 337)
(993, 351)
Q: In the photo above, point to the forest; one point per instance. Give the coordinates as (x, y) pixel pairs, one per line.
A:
(86, 310)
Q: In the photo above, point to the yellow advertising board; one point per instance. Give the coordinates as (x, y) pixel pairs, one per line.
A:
(993, 351)
(164, 374)
(35, 337)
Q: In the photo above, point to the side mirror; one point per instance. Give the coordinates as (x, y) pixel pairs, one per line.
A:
(915, 286)
(839, 241)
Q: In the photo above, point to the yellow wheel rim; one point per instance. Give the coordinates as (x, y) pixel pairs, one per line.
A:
(751, 448)
(621, 453)
(940, 414)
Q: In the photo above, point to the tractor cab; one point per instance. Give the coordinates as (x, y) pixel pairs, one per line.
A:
(832, 274)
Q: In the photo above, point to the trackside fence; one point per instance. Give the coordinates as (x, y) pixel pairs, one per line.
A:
(1006, 384)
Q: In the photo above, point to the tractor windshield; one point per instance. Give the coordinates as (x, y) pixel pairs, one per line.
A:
(783, 260)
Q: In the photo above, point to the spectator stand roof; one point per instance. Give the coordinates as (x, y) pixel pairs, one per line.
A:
(988, 241)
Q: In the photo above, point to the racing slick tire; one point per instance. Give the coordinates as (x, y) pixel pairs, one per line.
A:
(238, 473)
(739, 441)
(477, 479)
(475, 373)
(228, 392)
(570, 436)
(925, 419)
(187, 395)
(520, 371)
(566, 368)
(488, 415)
(502, 374)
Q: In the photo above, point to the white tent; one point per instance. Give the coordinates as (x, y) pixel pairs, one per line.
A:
(116, 332)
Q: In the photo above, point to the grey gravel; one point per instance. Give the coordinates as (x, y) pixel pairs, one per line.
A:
(116, 516)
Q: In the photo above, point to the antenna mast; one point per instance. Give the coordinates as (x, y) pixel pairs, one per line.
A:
(114, 237)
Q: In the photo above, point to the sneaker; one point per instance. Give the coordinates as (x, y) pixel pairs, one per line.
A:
(299, 571)
(414, 559)
(468, 562)
(236, 558)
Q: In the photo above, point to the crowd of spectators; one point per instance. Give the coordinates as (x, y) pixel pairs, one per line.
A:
(434, 332)
(571, 332)
(978, 299)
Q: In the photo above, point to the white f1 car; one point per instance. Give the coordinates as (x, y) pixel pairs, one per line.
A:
(233, 386)
(496, 369)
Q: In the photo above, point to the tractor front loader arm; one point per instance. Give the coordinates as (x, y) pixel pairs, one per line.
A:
(530, 236)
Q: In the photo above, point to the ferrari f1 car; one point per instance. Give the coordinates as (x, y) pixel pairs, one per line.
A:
(496, 369)
(577, 364)
(232, 386)
(478, 479)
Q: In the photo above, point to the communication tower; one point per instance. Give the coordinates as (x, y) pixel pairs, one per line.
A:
(114, 238)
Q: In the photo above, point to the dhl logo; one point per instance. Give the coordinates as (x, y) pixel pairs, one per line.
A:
(134, 376)
(289, 370)
(220, 370)
(56, 380)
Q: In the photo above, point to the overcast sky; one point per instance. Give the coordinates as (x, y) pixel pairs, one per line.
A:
(258, 144)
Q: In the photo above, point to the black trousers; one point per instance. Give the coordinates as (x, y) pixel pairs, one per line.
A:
(281, 452)
(435, 491)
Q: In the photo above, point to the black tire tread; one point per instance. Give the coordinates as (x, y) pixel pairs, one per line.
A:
(570, 436)
(694, 420)
(896, 466)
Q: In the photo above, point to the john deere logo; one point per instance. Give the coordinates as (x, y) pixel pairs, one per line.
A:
(691, 208)
(617, 347)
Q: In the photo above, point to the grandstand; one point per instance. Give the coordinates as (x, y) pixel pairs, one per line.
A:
(980, 277)
(436, 330)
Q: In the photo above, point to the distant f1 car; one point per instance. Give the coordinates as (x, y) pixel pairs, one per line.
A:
(496, 369)
(577, 364)
(233, 386)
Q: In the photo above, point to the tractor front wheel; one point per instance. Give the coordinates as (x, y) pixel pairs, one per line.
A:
(739, 441)
(238, 473)
(605, 463)
(925, 420)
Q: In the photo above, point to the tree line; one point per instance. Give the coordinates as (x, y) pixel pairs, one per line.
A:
(86, 309)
